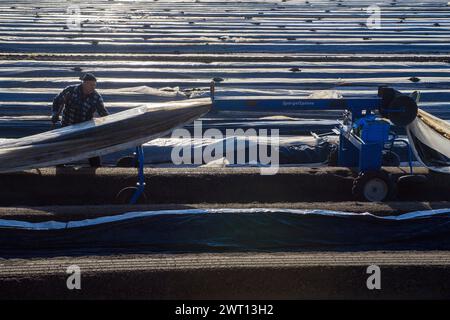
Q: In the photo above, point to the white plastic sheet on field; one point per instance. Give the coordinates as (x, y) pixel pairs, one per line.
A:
(57, 225)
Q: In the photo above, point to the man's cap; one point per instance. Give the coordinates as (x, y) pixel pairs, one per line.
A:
(88, 77)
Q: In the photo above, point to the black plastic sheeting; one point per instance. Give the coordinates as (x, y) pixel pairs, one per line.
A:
(304, 153)
(233, 232)
(299, 153)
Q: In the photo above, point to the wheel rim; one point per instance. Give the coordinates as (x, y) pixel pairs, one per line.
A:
(376, 189)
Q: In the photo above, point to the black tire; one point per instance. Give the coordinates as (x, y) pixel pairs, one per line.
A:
(124, 196)
(127, 162)
(374, 186)
(412, 187)
(390, 159)
(412, 180)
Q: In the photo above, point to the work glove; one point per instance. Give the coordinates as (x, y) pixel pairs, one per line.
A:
(55, 119)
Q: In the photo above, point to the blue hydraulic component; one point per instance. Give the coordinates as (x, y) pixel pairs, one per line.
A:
(139, 157)
(361, 143)
(363, 134)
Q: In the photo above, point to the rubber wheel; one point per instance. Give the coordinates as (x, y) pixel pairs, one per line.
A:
(415, 179)
(373, 186)
(127, 162)
(390, 159)
(124, 196)
(412, 187)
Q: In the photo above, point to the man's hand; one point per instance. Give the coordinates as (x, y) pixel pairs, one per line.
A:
(55, 119)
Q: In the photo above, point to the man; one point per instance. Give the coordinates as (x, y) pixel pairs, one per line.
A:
(78, 103)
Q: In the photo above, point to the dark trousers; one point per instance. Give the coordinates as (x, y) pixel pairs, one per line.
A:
(94, 162)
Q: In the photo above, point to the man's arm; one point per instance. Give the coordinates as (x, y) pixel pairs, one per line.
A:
(100, 107)
(58, 104)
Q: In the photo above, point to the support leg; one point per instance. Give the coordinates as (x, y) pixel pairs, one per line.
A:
(141, 178)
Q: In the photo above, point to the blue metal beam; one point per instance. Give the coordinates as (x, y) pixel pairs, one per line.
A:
(289, 104)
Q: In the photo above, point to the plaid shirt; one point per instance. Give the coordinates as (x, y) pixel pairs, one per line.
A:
(77, 108)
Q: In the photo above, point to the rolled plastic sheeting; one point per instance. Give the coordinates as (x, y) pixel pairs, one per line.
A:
(429, 138)
(99, 136)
